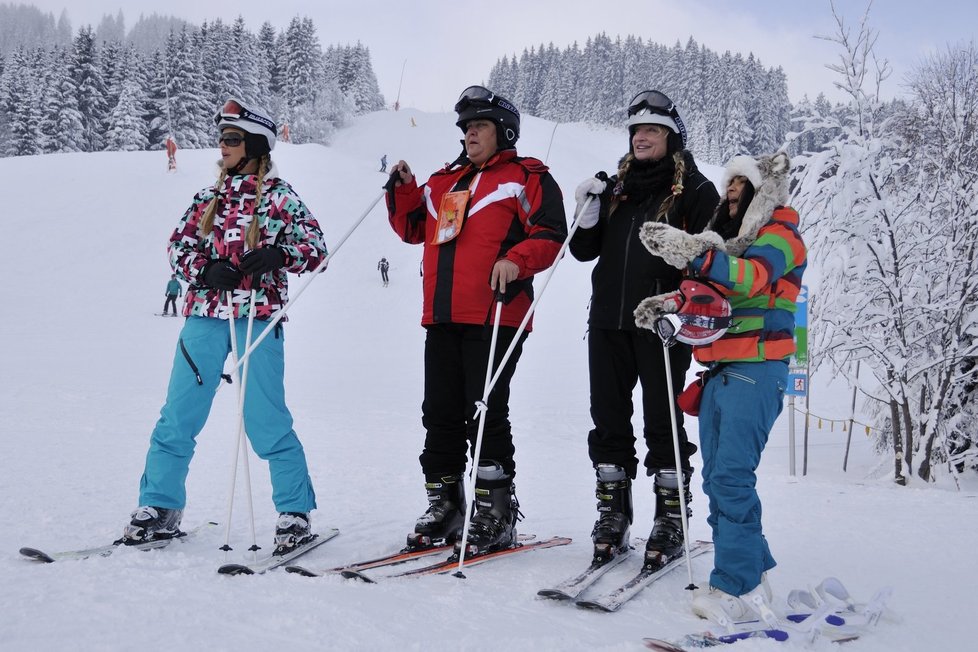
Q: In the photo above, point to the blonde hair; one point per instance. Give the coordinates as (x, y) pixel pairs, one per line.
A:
(207, 221)
(679, 162)
(677, 188)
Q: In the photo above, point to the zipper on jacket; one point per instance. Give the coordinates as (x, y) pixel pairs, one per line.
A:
(624, 270)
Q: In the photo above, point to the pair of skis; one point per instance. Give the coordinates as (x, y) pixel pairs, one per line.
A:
(829, 613)
(357, 570)
(106, 550)
(273, 561)
(258, 567)
(574, 587)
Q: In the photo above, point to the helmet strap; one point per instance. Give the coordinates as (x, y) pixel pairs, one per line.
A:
(240, 165)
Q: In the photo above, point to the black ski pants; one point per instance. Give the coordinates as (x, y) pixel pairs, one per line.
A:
(617, 360)
(455, 359)
(171, 300)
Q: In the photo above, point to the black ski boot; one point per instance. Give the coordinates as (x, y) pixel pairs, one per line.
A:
(446, 510)
(614, 494)
(666, 541)
(291, 531)
(152, 524)
(493, 525)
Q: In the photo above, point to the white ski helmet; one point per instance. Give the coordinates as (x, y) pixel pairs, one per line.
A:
(234, 113)
(655, 108)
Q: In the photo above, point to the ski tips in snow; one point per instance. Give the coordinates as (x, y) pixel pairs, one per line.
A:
(275, 561)
(37, 555)
(34, 554)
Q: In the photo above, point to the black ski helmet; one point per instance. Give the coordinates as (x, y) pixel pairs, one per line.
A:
(480, 103)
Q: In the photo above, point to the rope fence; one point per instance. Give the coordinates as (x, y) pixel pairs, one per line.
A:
(821, 421)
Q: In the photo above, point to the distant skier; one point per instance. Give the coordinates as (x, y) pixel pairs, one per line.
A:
(383, 266)
(173, 290)
(383, 163)
(171, 156)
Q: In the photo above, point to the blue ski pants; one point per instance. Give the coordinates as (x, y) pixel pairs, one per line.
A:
(739, 407)
(204, 345)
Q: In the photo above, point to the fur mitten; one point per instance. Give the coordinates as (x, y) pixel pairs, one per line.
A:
(652, 308)
(675, 246)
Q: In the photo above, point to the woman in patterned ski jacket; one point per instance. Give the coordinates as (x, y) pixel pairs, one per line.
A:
(234, 246)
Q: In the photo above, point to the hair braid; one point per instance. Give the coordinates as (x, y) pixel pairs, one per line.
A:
(251, 238)
(626, 164)
(662, 215)
(207, 221)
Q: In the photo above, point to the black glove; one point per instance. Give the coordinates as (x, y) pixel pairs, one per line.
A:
(222, 275)
(259, 261)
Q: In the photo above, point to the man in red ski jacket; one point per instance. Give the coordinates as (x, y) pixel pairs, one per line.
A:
(488, 223)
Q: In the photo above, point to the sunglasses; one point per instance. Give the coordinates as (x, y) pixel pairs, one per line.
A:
(653, 102)
(231, 140)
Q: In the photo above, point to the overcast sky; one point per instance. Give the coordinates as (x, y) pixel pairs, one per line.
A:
(444, 46)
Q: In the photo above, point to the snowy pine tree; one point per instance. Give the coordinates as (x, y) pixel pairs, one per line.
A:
(61, 120)
(92, 92)
(126, 128)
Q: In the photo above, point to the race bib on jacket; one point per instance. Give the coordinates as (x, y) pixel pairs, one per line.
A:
(451, 215)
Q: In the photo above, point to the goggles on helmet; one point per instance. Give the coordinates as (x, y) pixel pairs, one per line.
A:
(653, 102)
(474, 94)
(232, 111)
(483, 96)
(648, 103)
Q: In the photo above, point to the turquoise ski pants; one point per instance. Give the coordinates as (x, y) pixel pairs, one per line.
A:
(204, 345)
(739, 407)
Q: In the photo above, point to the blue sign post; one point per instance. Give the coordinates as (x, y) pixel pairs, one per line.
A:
(798, 365)
(797, 371)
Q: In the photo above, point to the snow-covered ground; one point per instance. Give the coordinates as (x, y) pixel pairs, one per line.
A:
(85, 367)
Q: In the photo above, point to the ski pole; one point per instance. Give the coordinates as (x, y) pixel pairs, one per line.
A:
(277, 317)
(240, 445)
(680, 471)
(491, 379)
(482, 406)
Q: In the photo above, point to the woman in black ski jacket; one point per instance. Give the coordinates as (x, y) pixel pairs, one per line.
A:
(657, 180)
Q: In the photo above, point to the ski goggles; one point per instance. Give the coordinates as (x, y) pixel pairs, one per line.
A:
(474, 94)
(652, 102)
(233, 111)
(482, 95)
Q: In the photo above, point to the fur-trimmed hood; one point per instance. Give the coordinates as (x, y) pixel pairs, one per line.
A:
(769, 176)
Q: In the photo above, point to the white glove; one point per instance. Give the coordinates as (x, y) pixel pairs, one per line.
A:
(592, 188)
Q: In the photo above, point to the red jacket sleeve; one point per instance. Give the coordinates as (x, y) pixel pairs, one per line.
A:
(406, 212)
(545, 222)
